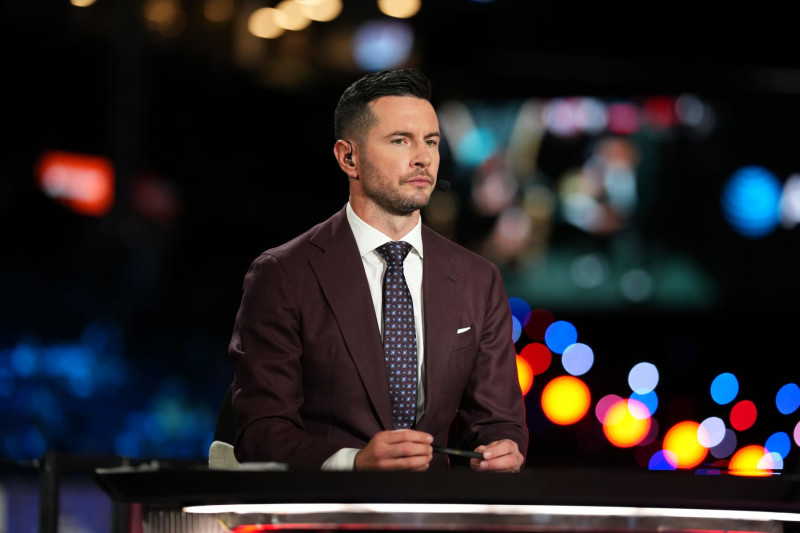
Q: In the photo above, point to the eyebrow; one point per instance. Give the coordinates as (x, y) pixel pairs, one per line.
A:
(408, 134)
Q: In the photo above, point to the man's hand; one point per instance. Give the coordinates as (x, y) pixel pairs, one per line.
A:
(401, 449)
(498, 456)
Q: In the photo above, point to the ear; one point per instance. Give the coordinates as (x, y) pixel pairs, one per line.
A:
(344, 152)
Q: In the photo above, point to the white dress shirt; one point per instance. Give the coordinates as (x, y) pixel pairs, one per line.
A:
(368, 239)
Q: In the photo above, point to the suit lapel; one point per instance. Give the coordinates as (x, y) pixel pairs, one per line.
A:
(441, 300)
(341, 275)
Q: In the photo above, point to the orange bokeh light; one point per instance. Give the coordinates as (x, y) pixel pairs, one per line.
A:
(626, 423)
(524, 375)
(745, 462)
(565, 400)
(681, 439)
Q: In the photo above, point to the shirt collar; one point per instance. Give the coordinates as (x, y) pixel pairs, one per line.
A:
(369, 238)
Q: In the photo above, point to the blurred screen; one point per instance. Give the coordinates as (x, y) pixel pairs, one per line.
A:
(593, 204)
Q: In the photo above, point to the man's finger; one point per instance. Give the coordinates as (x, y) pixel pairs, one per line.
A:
(408, 435)
(500, 448)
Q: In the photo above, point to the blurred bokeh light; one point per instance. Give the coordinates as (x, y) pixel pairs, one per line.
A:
(683, 444)
(724, 388)
(538, 357)
(565, 400)
(743, 415)
(626, 423)
(751, 460)
(751, 201)
(788, 398)
(560, 335)
(382, 44)
(525, 375)
(577, 359)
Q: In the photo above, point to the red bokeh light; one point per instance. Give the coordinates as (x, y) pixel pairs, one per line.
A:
(538, 322)
(538, 356)
(743, 415)
(83, 183)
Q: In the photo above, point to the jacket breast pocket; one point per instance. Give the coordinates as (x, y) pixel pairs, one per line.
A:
(465, 339)
(461, 362)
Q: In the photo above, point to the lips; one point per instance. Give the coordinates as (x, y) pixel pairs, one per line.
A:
(419, 180)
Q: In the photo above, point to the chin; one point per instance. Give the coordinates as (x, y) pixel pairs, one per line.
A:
(420, 200)
(410, 207)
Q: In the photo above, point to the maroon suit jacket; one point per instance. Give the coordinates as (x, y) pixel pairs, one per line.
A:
(310, 376)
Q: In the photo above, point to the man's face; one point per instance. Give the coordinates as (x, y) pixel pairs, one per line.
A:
(400, 159)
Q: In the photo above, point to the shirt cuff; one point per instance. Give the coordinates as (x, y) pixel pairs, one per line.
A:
(344, 459)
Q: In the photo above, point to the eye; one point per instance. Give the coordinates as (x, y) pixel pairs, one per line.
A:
(398, 141)
(432, 142)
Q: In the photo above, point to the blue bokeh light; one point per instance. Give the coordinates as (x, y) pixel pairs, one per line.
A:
(559, 335)
(724, 388)
(23, 359)
(771, 460)
(659, 461)
(516, 329)
(382, 44)
(75, 364)
(780, 443)
(788, 398)
(648, 399)
(751, 201)
(7, 383)
(475, 147)
(577, 359)
(47, 387)
(643, 377)
(520, 309)
(711, 431)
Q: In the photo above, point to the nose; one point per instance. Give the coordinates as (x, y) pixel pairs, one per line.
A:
(422, 157)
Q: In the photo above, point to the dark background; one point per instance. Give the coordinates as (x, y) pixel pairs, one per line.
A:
(114, 330)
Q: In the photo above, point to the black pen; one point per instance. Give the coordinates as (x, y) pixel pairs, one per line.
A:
(461, 453)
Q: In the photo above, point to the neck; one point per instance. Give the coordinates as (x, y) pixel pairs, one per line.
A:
(394, 226)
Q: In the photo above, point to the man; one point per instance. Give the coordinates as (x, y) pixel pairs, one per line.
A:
(313, 386)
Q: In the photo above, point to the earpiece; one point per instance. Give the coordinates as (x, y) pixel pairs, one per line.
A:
(349, 157)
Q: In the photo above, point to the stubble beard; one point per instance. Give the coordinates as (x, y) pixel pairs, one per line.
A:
(377, 188)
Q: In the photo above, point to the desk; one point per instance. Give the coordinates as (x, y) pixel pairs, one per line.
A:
(539, 500)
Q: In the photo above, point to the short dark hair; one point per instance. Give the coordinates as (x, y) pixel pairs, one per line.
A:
(353, 116)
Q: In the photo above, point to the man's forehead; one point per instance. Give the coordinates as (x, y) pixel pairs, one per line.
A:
(405, 111)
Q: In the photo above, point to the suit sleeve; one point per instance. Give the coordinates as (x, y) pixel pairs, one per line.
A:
(492, 406)
(268, 385)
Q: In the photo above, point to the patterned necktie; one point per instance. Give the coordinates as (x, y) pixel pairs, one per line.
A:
(399, 335)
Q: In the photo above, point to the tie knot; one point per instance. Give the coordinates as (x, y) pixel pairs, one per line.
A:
(394, 251)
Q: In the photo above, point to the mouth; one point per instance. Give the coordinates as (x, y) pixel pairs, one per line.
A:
(420, 181)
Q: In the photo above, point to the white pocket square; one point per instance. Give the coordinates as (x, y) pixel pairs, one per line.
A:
(462, 330)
